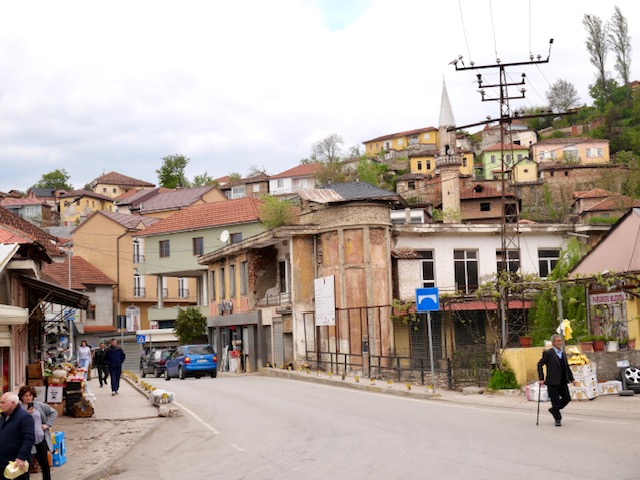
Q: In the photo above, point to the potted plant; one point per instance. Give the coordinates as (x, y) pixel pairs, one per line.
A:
(598, 343)
(586, 343)
(525, 341)
(623, 343)
(612, 344)
(631, 343)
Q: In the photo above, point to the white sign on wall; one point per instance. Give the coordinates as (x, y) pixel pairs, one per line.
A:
(133, 318)
(325, 301)
(606, 298)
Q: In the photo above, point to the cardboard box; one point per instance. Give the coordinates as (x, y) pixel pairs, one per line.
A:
(583, 393)
(41, 393)
(58, 407)
(35, 370)
(36, 382)
(612, 387)
(583, 370)
(586, 381)
(54, 394)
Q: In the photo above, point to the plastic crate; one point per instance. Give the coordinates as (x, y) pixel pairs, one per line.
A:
(59, 454)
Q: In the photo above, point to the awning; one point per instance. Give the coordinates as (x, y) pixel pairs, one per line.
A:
(10, 315)
(50, 292)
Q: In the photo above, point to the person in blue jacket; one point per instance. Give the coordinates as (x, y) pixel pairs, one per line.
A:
(115, 358)
(16, 433)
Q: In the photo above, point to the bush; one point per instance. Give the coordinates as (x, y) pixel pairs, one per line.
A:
(502, 379)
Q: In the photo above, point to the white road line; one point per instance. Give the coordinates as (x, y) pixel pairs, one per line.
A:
(198, 419)
(238, 448)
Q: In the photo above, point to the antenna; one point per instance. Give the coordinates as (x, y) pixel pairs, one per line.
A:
(224, 236)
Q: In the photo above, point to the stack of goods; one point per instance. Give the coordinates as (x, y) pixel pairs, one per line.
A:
(584, 373)
(83, 408)
(73, 395)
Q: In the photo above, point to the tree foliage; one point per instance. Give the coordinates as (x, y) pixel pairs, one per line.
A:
(276, 212)
(234, 177)
(328, 150)
(171, 173)
(562, 96)
(255, 171)
(597, 46)
(373, 172)
(189, 325)
(55, 180)
(203, 180)
(620, 42)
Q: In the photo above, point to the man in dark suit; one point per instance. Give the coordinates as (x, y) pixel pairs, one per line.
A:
(558, 377)
(16, 433)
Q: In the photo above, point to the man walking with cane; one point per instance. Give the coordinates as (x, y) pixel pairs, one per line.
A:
(559, 375)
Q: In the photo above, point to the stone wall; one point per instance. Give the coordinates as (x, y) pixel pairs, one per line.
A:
(606, 368)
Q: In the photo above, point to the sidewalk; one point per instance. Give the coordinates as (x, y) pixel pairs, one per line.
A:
(611, 406)
(94, 444)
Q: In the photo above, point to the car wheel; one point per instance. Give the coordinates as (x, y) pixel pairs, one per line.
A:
(156, 372)
(214, 374)
(166, 375)
(181, 375)
(631, 375)
(142, 374)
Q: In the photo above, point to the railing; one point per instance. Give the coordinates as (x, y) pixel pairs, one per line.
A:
(139, 292)
(277, 299)
(165, 293)
(183, 293)
(138, 257)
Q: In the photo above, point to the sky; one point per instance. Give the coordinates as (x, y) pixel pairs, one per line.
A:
(95, 87)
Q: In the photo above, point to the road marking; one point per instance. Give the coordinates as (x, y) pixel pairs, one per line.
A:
(198, 419)
(238, 448)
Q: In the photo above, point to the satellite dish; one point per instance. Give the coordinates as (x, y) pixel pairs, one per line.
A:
(224, 236)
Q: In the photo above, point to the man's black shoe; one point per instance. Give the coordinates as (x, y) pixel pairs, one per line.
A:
(558, 424)
(556, 416)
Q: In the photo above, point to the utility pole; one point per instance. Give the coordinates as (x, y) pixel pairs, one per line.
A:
(509, 232)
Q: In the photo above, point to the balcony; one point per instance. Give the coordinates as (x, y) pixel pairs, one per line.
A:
(156, 314)
(138, 258)
(274, 300)
(183, 293)
(139, 292)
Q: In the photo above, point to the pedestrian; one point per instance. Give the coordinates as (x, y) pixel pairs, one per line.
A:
(43, 418)
(115, 357)
(16, 433)
(100, 361)
(559, 375)
(84, 357)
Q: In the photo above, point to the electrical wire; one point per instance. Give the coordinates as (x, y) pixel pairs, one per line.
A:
(493, 27)
(464, 31)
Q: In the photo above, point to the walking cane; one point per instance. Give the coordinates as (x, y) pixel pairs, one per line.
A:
(538, 415)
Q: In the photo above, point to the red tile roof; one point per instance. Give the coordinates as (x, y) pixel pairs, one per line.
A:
(171, 199)
(481, 192)
(83, 274)
(308, 169)
(9, 236)
(402, 134)
(85, 193)
(618, 202)
(593, 193)
(129, 220)
(21, 201)
(30, 231)
(229, 212)
(115, 178)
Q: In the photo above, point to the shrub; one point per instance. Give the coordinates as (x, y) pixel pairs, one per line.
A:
(502, 379)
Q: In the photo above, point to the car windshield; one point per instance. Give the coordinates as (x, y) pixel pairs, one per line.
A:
(200, 350)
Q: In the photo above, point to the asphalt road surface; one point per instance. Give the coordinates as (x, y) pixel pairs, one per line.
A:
(253, 427)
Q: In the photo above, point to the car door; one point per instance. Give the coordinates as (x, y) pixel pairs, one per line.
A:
(174, 361)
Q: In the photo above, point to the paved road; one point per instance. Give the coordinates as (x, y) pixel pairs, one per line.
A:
(253, 427)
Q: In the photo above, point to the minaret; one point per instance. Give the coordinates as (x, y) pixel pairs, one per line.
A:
(448, 163)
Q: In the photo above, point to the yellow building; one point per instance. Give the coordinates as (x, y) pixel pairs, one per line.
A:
(77, 205)
(401, 141)
(114, 184)
(425, 163)
(576, 150)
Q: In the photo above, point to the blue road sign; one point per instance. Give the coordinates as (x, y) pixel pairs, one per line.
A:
(427, 300)
(141, 339)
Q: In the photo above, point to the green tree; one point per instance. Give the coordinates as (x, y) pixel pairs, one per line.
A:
(55, 180)
(189, 325)
(328, 150)
(620, 42)
(372, 172)
(255, 171)
(171, 173)
(562, 96)
(275, 212)
(598, 47)
(234, 177)
(203, 180)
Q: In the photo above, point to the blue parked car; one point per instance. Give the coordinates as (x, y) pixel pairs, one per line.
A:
(191, 361)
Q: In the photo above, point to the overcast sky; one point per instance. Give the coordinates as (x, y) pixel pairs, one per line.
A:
(94, 87)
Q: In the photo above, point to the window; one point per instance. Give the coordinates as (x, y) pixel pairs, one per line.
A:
(526, 170)
(91, 312)
(428, 164)
(138, 286)
(400, 142)
(493, 159)
(138, 251)
(222, 286)
(465, 264)
(236, 237)
(547, 260)
(413, 140)
(387, 145)
(256, 188)
(238, 192)
(183, 287)
(594, 152)
(198, 245)
(485, 207)
(512, 258)
(507, 158)
(411, 185)
(114, 190)
(426, 137)
(244, 278)
(104, 189)
(570, 154)
(464, 161)
(427, 267)
(280, 183)
(164, 248)
(165, 287)
(566, 173)
(284, 277)
(212, 282)
(419, 164)
(519, 157)
(232, 281)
